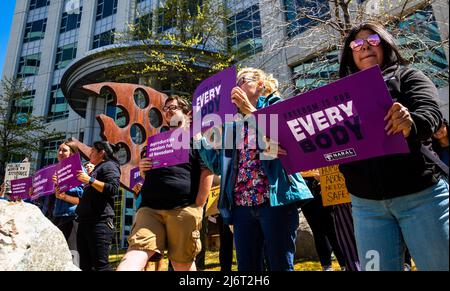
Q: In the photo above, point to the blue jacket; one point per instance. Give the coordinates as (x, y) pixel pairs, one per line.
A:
(284, 189)
(63, 208)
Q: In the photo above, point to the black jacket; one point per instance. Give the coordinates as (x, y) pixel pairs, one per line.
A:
(401, 174)
(95, 206)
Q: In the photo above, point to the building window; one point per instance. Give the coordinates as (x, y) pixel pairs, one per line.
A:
(420, 43)
(103, 39)
(35, 30)
(298, 13)
(316, 72)
(70, 21)
(29, 65)
(106, 8)
(166, 19)
(22, 107)
(143, 26)
(58, 106)
(38, 3)
(49, 152)
(64, 55)
(244, 32)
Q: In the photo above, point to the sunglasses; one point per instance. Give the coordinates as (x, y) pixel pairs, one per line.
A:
(244, 80)
(372, 40)
(171, 108)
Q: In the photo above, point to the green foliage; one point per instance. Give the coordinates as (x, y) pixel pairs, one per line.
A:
(175, 39)
(19, 136)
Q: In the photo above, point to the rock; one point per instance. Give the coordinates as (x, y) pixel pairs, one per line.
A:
(305, 247)
(30, 242)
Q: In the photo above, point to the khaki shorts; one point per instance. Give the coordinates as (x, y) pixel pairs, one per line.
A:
(177, 230)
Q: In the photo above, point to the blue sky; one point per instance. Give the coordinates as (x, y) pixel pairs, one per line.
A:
(6, 15)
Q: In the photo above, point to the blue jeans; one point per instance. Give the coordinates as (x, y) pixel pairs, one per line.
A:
(419, 220)
(264, 230)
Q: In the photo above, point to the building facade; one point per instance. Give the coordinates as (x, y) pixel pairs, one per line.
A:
(58, 45)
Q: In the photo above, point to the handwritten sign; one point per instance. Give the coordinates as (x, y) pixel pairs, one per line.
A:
(211, 207)
(332, 184)
(15, 171)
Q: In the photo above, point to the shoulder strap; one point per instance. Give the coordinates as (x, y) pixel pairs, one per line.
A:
(429, 154)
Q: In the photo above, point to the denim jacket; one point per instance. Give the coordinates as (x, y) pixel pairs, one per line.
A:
(284, 189)
(63, 208)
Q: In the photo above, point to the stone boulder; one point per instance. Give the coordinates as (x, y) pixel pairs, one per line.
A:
(305, 247)
(30, 242)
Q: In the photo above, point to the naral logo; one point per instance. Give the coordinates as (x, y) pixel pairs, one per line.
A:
(340, 155)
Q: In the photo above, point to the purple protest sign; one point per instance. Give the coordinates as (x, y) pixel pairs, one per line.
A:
(166, 149)
(335, 124)
(66, 172)
(212, 98)
(43, 182)
(135, 177)
(20, 188)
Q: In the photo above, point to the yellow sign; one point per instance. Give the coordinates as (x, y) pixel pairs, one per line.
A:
(211, 207)
(332, 184)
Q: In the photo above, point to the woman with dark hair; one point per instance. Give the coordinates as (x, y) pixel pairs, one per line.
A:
(397, 199)
(66, 202)
(96, 208)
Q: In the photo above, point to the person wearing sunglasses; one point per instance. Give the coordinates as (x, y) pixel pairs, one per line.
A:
(171, 212)
(397, 200)
(256, 196)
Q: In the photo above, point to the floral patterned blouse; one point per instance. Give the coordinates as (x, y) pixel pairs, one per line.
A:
(252, 185)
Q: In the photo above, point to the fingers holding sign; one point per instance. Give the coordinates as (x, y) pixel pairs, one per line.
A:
(399, 120)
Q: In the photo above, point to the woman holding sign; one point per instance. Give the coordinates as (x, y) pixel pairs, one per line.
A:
(170, 215)
(66, 203)
(256, 195)
(96, 208)
(397, 199)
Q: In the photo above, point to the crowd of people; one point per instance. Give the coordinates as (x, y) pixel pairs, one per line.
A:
(399, 203)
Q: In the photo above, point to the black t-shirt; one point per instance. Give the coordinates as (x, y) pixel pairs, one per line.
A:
(175, 186)
(95, 206)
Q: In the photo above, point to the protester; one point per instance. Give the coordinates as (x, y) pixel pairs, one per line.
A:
(96, 207)
(66, 203)
(260, 200)
(400, 198)
(172, 206)
(320, 221)
(440, 142)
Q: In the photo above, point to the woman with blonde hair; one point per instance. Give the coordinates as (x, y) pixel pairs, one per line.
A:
(257, 196)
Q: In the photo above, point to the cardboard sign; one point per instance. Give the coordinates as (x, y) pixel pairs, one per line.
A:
(164, 149)
(211, 207)
(213, 96)
(43, 182)
(21, 188)
(15, 171)
(66, 172)
(332, 184)
(335, 124)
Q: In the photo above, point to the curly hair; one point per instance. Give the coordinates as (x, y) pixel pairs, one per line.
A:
(270, 83)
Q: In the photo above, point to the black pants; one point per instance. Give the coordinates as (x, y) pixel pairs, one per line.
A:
(94, 244)
(320, 220)
(68, 226)
(226, 245)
